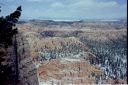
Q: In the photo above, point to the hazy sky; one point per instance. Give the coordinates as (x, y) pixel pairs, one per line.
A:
(66, 9)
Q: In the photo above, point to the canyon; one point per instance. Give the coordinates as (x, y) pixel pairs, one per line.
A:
(72, 53)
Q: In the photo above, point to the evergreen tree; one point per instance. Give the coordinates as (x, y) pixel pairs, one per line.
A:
(7, 31)
(6, 27)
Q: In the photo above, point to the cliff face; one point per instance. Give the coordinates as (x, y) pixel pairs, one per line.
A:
(27, 69)
(71, 56)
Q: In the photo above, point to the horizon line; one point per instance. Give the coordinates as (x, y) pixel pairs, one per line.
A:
(116, 19)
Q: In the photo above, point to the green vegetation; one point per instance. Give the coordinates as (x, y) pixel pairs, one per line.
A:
(111, 55)
(7, 31)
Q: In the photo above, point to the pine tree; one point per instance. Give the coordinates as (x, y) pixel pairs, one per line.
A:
(7, 32)
(6, 27)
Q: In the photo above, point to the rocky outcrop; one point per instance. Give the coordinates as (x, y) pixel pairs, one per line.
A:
(27, 69)
(68, 71)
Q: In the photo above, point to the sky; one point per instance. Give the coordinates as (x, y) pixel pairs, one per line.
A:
(66, 9)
